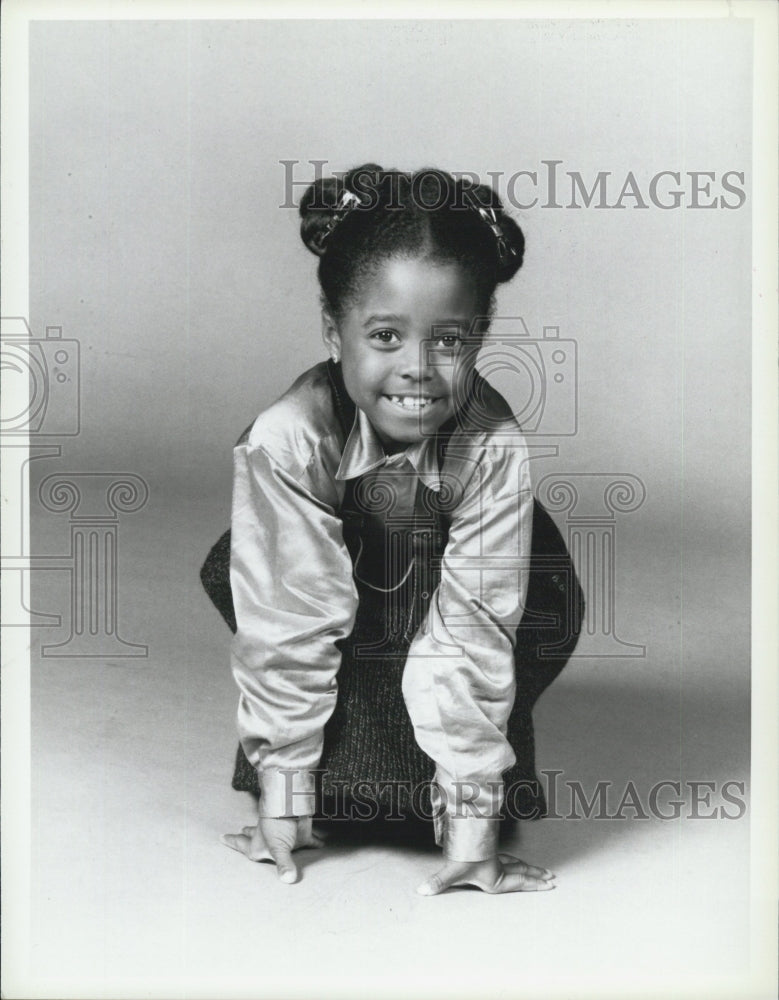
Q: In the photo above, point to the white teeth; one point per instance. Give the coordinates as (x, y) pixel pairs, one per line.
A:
(412, 402)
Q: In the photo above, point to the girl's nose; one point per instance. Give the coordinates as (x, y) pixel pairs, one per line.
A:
(415, 363)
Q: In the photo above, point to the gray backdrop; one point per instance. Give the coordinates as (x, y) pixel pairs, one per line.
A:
(157, 241)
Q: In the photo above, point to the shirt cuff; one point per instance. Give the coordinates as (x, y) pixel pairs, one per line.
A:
(467, 838)
(467, 825)
(286, 792)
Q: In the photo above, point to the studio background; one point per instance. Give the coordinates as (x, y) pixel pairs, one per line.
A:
(157, 241)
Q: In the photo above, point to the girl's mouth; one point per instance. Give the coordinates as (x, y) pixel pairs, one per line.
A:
(413, 404)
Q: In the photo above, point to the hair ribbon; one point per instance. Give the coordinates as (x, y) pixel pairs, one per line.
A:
(489, 217)
(346, 203)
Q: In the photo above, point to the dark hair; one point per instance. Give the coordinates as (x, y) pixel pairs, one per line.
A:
(355, 222)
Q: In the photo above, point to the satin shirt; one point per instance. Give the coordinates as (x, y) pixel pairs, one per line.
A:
(295, 597)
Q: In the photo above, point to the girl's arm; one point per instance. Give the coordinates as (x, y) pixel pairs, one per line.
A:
(294, 596)
(459, 681)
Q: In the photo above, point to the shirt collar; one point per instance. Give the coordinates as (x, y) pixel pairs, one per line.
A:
(364, 452)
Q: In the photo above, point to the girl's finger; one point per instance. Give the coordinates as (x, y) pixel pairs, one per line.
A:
(439, 882)
(315, 841)
(237, 841)
(512, 864)
(246, 845)
(287, 870)
(519, 882)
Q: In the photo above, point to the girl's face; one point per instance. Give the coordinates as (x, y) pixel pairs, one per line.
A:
(401, 347)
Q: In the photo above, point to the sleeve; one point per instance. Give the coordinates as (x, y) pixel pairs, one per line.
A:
(294, 596)
(459, 680)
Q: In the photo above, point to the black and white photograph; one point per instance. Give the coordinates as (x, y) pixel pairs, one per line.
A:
(389, 458)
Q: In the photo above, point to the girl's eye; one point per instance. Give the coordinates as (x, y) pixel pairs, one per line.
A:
(384, 336)
(449, 341)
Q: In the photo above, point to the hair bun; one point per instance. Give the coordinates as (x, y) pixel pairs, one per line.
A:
(316, 210)
(509, 238)
(515, 241)
(325, 203)
(368, 170)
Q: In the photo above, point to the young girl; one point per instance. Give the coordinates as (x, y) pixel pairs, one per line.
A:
(398, 597)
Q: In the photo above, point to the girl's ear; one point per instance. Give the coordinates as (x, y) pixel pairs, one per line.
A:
(330, 334)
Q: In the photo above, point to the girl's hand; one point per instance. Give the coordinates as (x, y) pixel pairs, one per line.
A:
(275, 840)
(503, 873)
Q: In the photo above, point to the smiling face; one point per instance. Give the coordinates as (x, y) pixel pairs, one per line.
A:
(401, 347)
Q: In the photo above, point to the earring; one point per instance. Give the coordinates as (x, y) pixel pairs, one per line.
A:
(334, 357)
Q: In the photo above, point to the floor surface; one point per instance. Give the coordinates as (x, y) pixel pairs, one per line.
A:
(133, 894)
